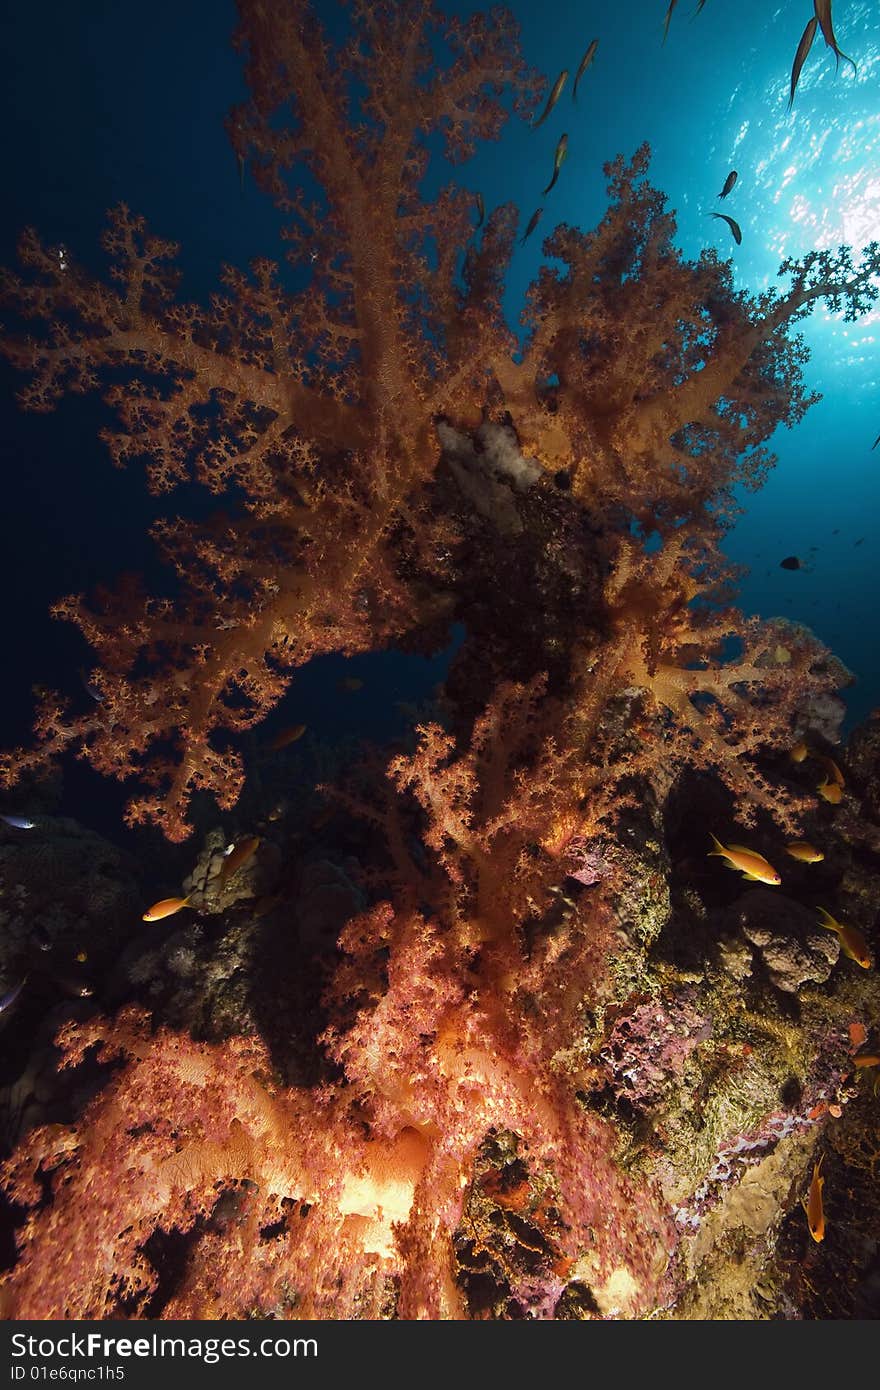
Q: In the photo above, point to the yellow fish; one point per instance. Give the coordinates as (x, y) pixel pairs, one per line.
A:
(834, 771)
(866, 1059)
(751, 865)
(166, 907)
(237, 855)
(852, 943)
(799, 752)
(830, 791)
(286, 737)
(812, 1204)
(803, 850)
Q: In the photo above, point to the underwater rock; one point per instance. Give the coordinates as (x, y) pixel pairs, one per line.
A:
(212, 890)
(489, 469)
(68, 899)
(327, 899)
(822, 713)
(648, 1048)
(793, 948)
(863, 761)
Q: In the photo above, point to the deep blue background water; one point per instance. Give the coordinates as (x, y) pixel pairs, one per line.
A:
(120, 102)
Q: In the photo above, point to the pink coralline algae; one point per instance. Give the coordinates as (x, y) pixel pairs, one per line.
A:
(648, 1049)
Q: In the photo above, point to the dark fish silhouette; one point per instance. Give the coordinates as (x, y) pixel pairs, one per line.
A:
(561, 152)
(858, 542)
(734, 226)
(728, 183)
(791, 562)
(876, 442)
(800, 57)
(481, 209)
(672, 5)
(823, 14)
(533, 222)
(584, 64)
(552, 99)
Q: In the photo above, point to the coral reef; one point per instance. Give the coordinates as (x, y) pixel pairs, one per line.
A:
(509, 1045)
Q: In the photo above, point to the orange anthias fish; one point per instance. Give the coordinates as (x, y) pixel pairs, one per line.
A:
(750, 864)
(803, 850)
(866, 1059)
(166, 907)
(237, 855)
(834, 772)
(852, 943)
(286, 737)
(830, 791)
(812, 1204)
(799, 752)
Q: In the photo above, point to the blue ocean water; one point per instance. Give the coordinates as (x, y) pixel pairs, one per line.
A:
(107, 103)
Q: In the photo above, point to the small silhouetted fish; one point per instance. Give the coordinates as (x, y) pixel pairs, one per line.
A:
(19, 822)
(876, 442)
(791, 562)
(836, 531)
(734, 226)
(533, 222)
(481, 209)
(553, 98)
(672, 5)
(584, 64)
(823, 14)
(728, 183)
(859, 541)
(800, 56)
(561, 152)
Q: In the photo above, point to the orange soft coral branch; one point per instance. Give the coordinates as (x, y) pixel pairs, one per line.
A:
(320, 400)
(667, 381)
(667, 646)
